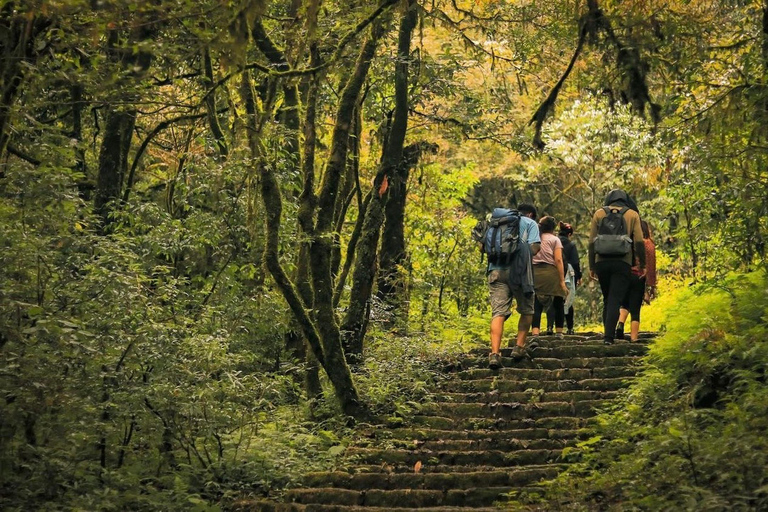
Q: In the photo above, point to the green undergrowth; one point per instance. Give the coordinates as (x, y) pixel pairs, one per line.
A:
(689, 434)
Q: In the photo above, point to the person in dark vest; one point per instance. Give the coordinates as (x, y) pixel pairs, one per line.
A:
(612, 254)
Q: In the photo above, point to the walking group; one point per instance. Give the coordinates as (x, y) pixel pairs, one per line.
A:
(539, 270)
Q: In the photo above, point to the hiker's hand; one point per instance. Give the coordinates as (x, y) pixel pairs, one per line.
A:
(578, 283)
(563, 287)
(642, 273)
(592, 275)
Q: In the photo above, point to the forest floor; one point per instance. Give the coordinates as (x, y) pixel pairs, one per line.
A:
(488, 436)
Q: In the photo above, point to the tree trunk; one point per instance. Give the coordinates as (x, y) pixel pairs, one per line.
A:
(325, 346)
(113, 161)
(355, 320)
(391, 283)
(322, 242)
(18, 52)
(210, 106)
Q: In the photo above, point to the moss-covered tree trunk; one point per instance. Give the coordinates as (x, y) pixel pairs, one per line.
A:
(19, 49)
(356, 318)
(391, 283)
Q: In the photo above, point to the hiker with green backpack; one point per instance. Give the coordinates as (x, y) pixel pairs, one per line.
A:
(615, 240)
(509, 238)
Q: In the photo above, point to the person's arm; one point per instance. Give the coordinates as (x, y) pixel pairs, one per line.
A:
(533, 237)
(637, 236)
(591, 245)
(574, 261)
(650, 265)
(558, 253)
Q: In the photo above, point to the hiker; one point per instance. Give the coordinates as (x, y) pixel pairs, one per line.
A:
(510, 279)
(613, 235)
(549, 277)
(572, 277)
(641, 288)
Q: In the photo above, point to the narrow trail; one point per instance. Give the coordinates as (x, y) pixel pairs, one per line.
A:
(488, 435)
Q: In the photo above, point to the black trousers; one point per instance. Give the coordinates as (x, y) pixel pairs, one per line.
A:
(551, 318)
(556, 310)
(633, 300)
(614, 276)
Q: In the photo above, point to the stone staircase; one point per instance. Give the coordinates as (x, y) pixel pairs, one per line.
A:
(488, 435)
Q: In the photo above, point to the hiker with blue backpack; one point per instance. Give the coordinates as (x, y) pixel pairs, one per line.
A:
(615, 240)
(509, 239)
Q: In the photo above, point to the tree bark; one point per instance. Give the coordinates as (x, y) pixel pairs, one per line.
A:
(113, 162)
(18, 51)
(210, 106)
(355, 320)
(391, 284)
(322, 242)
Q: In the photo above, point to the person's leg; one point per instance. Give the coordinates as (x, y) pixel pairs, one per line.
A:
(526, 308)
(569, 320)
(497, 331)
(636, 293)
(619, 275)
(522, 329)
(550, 318)
(604, 278)
(558, 303)
(538, 309)
(501, 300)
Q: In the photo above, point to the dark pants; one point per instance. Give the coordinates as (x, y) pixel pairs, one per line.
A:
(551, 318)
(634, 298)
(614, 276)
(557, 306)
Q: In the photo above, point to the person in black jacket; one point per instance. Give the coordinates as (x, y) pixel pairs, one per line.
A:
(570, 256)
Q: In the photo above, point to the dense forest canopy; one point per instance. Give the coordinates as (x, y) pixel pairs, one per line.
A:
(209, 208)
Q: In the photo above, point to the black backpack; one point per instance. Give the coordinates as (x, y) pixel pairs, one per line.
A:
(612, 239)
(499, 235)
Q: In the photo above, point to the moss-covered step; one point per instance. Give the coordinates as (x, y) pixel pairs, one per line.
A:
(528, 396)
(499, 424)
(519, 373)
(497, 383)
(426, 480)
(493, 458)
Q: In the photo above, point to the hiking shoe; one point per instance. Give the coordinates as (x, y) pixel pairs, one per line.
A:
(570, 332)
(608, 341)
(494, 361)
(518, 353)
(559, 335)
(619, 332)
(550, 332)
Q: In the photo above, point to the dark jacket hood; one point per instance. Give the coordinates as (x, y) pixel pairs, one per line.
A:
(619, 197)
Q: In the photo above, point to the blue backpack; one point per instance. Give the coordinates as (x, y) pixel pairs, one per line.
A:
(499, 235)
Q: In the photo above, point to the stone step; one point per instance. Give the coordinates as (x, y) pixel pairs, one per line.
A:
(530, 395)
(510, 386)
(551, 363)
(498, 443)
(402, 468)
(494, 458)
(413, 434)
(575, 351)
(426, 480)
(609, 372)
(500, 424)
(270, 506)
(404, 498)
(512, 410)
